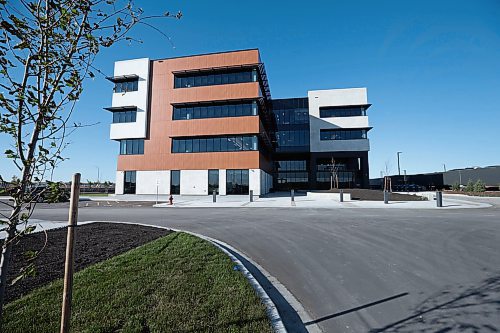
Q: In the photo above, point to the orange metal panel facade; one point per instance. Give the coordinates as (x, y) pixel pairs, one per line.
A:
(161, 128)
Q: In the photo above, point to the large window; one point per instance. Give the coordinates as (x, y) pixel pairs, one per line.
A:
(344, 134)
(124, 116)
(129, 183)
(237, 182)
(218, 110)
(175, 182)
(341, 111)
(215, 144)
(213, 78)
(126, 85)
(291, 165)
(132, 147)
(213, 181)
(292, 139)
(291, 173)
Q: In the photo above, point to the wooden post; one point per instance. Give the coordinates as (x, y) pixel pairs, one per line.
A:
(68, 267)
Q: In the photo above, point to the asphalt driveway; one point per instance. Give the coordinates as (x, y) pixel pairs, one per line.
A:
(357, 270)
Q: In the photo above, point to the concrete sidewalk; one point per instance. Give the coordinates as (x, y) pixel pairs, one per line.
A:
(313, 201)
(302, 200)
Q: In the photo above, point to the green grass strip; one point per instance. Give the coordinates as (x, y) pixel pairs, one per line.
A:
(178, 283)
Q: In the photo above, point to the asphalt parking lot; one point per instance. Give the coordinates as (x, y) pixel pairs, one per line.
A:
(359, 270)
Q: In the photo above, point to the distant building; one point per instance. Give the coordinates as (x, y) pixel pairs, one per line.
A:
(197, 124)
(443, 180)
(489, 175)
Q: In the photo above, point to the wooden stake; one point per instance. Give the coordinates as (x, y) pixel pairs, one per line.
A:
(68, 267)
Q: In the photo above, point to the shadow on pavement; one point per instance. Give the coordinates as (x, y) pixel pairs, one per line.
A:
(291, 320)
(462, 309)
(338, 314)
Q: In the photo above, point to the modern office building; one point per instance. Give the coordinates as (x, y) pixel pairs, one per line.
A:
(197, 124)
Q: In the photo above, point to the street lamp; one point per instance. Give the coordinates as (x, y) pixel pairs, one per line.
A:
(97, 173)
(399, 170)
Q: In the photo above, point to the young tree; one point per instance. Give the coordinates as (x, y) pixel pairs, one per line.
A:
(479, 186)
(47, 50)
(107, 184)
(470, 186)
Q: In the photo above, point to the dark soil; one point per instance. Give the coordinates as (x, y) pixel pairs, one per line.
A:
(377, 195)
(94, 242)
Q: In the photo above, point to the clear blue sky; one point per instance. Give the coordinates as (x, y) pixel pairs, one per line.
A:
(432, 69)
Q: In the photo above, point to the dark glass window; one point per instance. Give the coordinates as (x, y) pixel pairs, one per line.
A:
(132, 147)
(210, 144)
(214, 78)
(124, 116)
(343, 134)
(216, 110)
(237, 182)
(215, 144)
(126, 85)
(213, 181)
(129, 183)
(341, 111)
(292, 174)
(175, 182)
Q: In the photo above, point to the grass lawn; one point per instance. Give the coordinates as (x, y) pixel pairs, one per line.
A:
(178, 283)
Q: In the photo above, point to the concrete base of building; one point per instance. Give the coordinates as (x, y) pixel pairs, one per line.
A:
(192, 182)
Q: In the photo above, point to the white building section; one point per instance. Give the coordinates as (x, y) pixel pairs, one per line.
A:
(120, 180)
(149, 182)
(194, 182)
(222, 182)
(336, 97)
(139, 98)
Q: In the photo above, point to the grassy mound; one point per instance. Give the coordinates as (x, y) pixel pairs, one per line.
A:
(178, 283)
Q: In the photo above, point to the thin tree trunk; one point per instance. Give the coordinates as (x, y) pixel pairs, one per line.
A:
(4, 266)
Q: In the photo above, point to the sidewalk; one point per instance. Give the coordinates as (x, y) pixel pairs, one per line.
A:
(315, 202)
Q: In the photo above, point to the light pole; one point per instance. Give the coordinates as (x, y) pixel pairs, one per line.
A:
(399, 170)
(97, 173)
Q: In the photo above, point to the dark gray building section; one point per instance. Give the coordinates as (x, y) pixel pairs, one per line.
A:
(490, 175)
(443, 180)
(296, 167)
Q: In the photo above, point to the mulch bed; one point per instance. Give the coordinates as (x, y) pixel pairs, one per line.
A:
(377, 195)
(94, 243)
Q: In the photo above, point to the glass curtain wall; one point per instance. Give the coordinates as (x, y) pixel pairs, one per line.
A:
(292, 120)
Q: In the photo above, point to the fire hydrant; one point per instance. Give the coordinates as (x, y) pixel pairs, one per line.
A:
(171, 200)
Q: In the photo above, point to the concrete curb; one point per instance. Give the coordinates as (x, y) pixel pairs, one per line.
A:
(274, 316)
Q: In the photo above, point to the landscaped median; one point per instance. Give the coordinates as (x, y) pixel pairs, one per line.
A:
(176, 283)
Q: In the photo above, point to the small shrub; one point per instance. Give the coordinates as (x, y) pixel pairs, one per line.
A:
(56, 193)
(470, 186)
(479, 186)
(455, 187)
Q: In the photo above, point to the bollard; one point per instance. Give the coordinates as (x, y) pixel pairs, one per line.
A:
(386, 197)
(293, 195)
(214, 194)
(439, 198)
(341, 195)
(251, 195)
